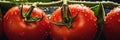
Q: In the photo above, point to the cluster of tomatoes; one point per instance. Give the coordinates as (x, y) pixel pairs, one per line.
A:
(69, 22)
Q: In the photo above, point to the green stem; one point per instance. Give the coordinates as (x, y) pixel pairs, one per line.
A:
(66, 16)
(59, 3)
(101, 22)
(90, 4)
(100, 14)
(64, 2)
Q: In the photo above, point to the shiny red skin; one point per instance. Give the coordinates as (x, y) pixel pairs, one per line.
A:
(83, 27)
(112, 25)
(17, 29)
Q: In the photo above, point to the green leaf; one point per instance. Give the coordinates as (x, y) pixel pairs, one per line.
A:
(100, 14)
(96, 9)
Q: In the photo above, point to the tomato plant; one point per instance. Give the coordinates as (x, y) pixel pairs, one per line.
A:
(112, 25)
(73, 22)
(25, 22)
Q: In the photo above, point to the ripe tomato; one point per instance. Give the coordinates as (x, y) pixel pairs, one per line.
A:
(83, 26)
(1, 28)
(1, 31)
(20, 27)
(112, 25)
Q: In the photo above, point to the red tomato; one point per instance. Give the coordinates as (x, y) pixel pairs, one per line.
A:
(83, 27)
(1, 27)
(1, 31)
(112, 25)
(16, 28)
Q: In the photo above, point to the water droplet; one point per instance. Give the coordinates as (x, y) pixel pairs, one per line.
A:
(73, 11)
(7, 18)
(113, 15)
(118, 20)
(110, 18)
(85, 14)
(22, 34)
(77, 6)
(47, 9)
(117, 13)
(107, 21)
(40, 30)
(82, 5)
(10, 22)
(94, 19)
(91, 18)
(83, 11)
(46, 32)
(95, 24)
(15, 13)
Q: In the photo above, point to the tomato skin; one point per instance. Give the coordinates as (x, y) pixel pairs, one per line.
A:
(83, 27)
(1, 26)
(112, 25)
(1, 31)
(17, 29)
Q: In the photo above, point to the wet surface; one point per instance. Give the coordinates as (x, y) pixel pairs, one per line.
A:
(49, 10)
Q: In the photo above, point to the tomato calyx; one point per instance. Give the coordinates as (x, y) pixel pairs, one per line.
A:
(27, 15)
(66, 16)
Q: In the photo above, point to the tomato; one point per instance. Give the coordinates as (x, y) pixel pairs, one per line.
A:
(1, 31)
(1, 27)
(25, 23)
(78, 22)
(112, 25)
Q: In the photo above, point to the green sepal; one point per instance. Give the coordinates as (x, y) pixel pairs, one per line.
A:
(66, 16)
(57, 23)
(27, 15)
